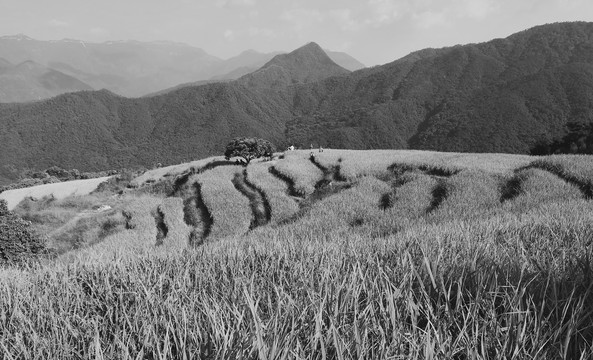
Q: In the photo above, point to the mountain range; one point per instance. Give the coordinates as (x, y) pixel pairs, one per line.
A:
(504, 95)
(29, 81)
(134, 68)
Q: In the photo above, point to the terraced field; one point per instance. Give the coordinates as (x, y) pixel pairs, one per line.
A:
(340, 254)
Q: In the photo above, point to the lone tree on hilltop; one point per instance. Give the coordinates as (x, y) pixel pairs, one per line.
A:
(18, 242)
(248, 149)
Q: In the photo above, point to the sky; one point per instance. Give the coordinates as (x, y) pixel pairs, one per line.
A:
(373, 31)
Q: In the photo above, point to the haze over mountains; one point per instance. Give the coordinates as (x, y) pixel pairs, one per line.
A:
(504, 95)
(29, 81)
(134, 68)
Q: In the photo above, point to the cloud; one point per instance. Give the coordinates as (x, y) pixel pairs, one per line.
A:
(255, 31)
(434, 13)
(383, 11)
(430, 19)
(229, 34)
(99, 31)
(345, 19)
(58, 23)
(226, 3)
(372, 13)
(476, 9)
(302, 18)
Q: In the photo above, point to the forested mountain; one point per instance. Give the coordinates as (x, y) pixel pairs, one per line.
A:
(29, 81)
(506, 95)
(304, 65)
(250, 61)
(501, 96)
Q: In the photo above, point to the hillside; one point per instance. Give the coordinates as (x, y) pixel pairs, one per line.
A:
(379, 254)
(500, 96)
(29, 81)
(505, 95)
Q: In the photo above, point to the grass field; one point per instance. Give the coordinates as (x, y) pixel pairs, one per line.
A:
(351, 254)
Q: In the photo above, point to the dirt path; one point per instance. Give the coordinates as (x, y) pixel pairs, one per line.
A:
(58, 190)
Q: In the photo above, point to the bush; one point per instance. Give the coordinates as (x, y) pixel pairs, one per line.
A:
(18, 242)
(249, 149)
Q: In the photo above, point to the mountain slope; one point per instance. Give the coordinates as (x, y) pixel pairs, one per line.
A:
(501, 96)
(345, 60)
(505, 95)
(29, 81)
(306, 64)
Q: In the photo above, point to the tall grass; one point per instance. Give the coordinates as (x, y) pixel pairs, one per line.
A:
(282, 205)
(229, 208)
(72, 222)
(303, 173)
(402, 263)
(137, 239)
(177, 237)
(295, 303)
(355, 163)
(158, 174)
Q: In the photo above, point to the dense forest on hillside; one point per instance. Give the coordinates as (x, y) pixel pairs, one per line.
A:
(514, 95)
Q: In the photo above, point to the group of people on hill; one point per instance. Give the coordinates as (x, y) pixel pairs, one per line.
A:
(292, 148)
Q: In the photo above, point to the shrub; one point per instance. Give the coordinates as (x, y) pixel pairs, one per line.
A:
(18, 242)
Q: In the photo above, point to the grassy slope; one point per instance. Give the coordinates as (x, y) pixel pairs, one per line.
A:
(492, 260)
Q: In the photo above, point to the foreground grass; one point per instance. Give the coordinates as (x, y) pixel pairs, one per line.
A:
(303, 301)
(402, 262)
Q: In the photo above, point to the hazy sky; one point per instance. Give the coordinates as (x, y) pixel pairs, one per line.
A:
(373, 31)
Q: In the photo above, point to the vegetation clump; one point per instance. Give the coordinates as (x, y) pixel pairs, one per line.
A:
(18, 242)
(248, 149)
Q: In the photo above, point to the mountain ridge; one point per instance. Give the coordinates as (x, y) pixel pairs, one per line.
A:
(131, 68)
(504, 95)
(30, 81)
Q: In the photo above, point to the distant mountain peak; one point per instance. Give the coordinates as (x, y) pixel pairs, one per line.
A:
(249, 52)
(30, 65)
(4, 62)
(18, 37)
(308, 52)
(309, 63)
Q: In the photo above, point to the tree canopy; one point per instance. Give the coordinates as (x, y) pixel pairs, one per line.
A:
(248, 148)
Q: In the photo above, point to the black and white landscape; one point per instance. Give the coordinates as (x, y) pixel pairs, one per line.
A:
(163, 201)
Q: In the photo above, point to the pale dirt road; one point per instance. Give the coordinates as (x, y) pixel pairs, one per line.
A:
(59, 190)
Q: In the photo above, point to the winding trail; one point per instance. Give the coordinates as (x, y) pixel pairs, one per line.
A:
(512, 188)
(291, 190)
(197, 216)
(330, 174)
(260, 207)
(161, 226)
(439, 194)
(205, 216)
(129, 219)
(586, 187)
(181, 180)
